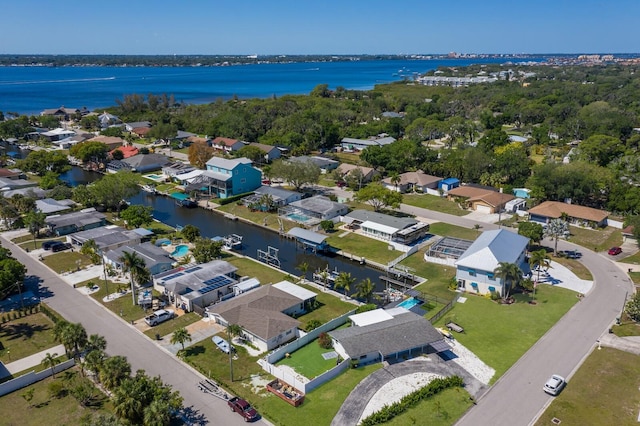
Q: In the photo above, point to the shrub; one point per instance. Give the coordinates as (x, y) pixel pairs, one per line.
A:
(224, 201)
(56, 389)
(366, 308)
(312, 325)
(324, 340)
(327, 225)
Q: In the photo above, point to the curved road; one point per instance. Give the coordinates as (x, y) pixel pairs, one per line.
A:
(124, 339)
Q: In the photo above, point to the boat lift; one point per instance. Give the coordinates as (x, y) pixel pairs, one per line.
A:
(270, 257)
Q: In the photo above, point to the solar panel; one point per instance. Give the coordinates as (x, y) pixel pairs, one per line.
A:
(194, 269)
(215, 283)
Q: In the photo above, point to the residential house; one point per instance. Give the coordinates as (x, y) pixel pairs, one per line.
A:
(448, 184)
(156, 259)
(172, 169)
(270, 152)
(628, 233)
(76, 221)
(413, 181)
(50, 206)
(58, 134)
(402, 230)
(367, 173)
(130, 127)
(577, 215)
(226, 144)
(31, 192)
(481, 199)
(63, 113)
(475, 268)
(106, 237)
(112, 142)
(228, 177)
(12, 174)
(265, 314)
(313, 210)
(352, 144)
(325, 164)
(141, 163)
(128, 151)
(387, 335)
(107, 120)
(12, 184)
(279, 196)
(196, 287)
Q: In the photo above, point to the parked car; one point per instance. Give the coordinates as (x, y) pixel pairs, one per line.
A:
(47, 244)
(613, 251)
(243, 408)
(554, 385)
(159, 316)
(60, 246)
(572, 254)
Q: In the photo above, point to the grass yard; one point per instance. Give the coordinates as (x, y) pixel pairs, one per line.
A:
(330, 307)
(432, 202)
(44, 409)
(122, 306)
(359, 245)
(635, 277)
(27, 243)
(448, 230)
(513, 328)
(596, 239)
(172, 325)
(443, 409)
(438, 276)
(634, 259)
(308, 360)
(25, 336)
(252, 268)
(348, 157)
(257, 217)
(67, 261)
(574, 266)
(320, 406)
(604, 391)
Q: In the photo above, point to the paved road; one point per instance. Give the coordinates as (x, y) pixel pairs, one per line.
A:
(124, 339)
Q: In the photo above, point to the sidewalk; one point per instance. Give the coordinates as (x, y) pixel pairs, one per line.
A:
(629, 344)
(33, 360)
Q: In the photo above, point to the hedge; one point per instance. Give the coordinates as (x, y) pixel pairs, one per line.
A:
(223, 201)
(434, 387)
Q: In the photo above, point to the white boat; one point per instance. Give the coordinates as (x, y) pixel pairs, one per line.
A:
(232, 242)
(148, 188)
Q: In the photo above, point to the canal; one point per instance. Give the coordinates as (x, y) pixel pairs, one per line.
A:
(254, 237)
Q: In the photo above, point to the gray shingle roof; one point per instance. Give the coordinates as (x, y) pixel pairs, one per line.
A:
(77, 218)
(382, 219)
(151, 254)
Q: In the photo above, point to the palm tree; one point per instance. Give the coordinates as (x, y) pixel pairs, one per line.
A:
(344, 280)
(158, 413)
(395, 179)
(181, 336)
(50, 361)
(539, 259)
(34, 220)
(364, 290)
(96, 342)
(135, 266)
(75, 336)
(555, 229)
(324, 275)
(233, 330)
(58, 333)
(510, 275)
(94, 361)
(114, 370)
(126, 403)
(303, 268)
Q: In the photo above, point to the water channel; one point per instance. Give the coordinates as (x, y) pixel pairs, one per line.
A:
(254, 237)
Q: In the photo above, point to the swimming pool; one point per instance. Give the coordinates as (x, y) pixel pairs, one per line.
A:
(409, 303)
(180, 251)
(298, 217)
(154, 177)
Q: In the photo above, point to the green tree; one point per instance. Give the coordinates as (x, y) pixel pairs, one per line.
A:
(379, 197)
(303, 268)
(50, 180)
(28, 395)
(74, 336)
(117, 154)
(556, 228)
(90, 248)
(600, 149)
(90, 151)
(632, 307)
(113, 371)
(180, 336)
(113, 188)
(233, 330)
(539, 260)
(50, 361)
(136, 267)
(137, 215)
(533, 231)
(327, 225)
(190, 232)
(344, 281)
(34, 221)
(12, 275)
(510, 275)
(297, 173)
(364, 290)
(93, 362)
(205, 250)
(41, 162)
(251, 152)
(95, 342)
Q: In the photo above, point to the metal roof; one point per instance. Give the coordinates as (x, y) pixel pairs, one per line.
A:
(305, 234)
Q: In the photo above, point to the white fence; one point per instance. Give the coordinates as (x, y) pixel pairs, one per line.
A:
(615, 223)
(32, 377)
(448, 261)
(299, 382)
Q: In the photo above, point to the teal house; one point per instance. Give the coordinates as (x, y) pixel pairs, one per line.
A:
(228, 177)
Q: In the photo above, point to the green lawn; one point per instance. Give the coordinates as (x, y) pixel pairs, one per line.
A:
(633, 259)
(26, 242)
(448, 230)
(604, 391)
(252, 268)
(432, 202)
(257, 217)
(330, 307)
(635, 277)
(359, 245)
(320, 406)
(444, 409)
(596, 239)
(512, 328)
(122, 306)
(308, 360)
(173, 324)
(67, 261)
(25, 336)
(576, 267)
(438, 276)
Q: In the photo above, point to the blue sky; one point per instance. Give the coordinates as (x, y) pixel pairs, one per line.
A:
(326, 27)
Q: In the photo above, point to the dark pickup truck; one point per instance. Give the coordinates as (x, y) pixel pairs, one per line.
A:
(243, 408)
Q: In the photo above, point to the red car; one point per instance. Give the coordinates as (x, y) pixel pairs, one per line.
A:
(614, 251)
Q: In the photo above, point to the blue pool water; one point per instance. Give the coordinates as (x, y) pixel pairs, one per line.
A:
(298, 217)
(409, 303)
(180, 250)
(154, 177)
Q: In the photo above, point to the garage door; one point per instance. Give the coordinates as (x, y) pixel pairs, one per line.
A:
(483, 209)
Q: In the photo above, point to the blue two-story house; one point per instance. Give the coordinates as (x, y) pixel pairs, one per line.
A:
(475, 268)
(229, 177)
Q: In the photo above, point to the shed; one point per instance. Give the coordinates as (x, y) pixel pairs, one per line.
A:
(244, 286)
(448, 184)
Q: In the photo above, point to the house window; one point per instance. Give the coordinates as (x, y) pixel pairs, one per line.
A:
(243, 180)
(491, 277)
(290, 331)
(492, 289)
(244, 170)
(472, 272)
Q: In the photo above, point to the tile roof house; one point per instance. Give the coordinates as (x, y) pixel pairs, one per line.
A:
(12, 174)
(156, 259)
(475, 267)
(76, 221)
(578, 215)
(387, 335)
(112, 142)
(265, 314)
(413, 181)
(64, 113)
(127, 151)
(484, 200)
(226, 144)
(229, 177)
(137, 125)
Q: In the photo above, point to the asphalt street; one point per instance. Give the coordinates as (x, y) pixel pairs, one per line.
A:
(124, 339)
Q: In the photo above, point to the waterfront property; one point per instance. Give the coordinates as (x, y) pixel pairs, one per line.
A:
(475, 267)
(7, 184)
(140, 163)
(403, 230)
(58, 134)
(196, 287)
(106, 237)
(64, 113)
(309, 239)
(481, 199)
(228, 177)
(279, 196)
(578, 215)
(414, 181)
(387, 335)
(50, 206)
(313, 210)
(177, 168)
(156, 260)
(265, 314)
(74, 222)
(352, 144)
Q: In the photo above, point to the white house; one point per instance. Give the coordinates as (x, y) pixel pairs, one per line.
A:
(475, 268)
